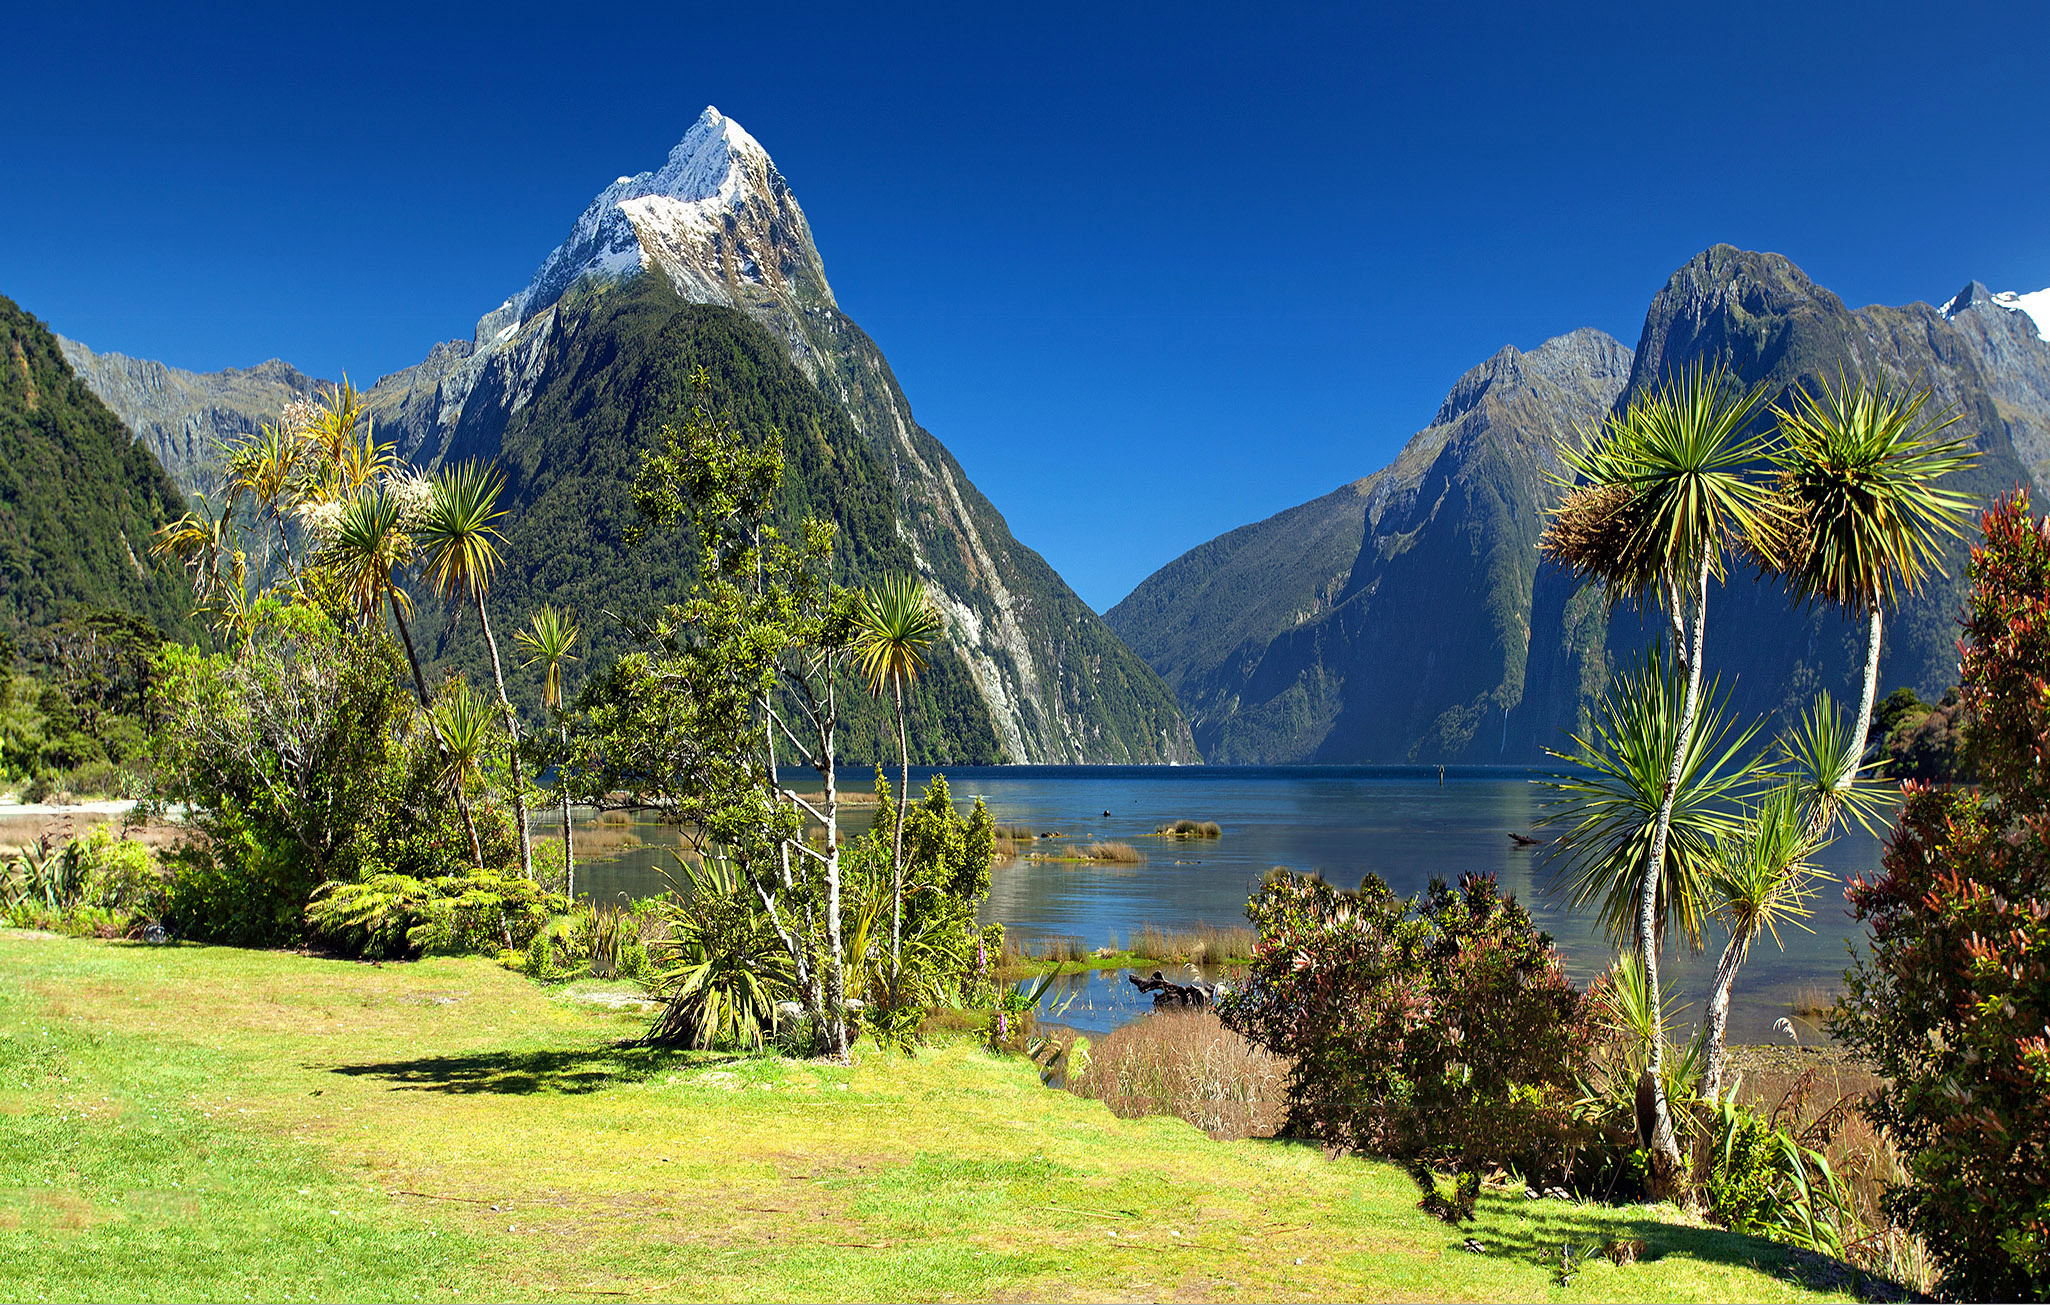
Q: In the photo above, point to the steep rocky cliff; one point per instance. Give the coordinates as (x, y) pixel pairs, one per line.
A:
(1387, 621)
(1443, 639)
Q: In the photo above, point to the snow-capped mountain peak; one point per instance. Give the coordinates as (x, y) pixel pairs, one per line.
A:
(717, 217)
(2034, 306)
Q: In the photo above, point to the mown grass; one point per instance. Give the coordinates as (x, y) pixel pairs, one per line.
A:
(205, 1123)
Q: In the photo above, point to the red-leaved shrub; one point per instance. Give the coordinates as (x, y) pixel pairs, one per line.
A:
(1953, 1002)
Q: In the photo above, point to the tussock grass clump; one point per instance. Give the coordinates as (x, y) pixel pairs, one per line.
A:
(1111, 853)
(1206, 944)
(1191, 829)
(1016, 833)
(1004, 849)
(1059, 948)
(1187, 1064)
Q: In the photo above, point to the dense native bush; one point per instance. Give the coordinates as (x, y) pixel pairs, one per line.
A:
(97, 883)
(302, 761)
(1952, 1004)
(1440, 1031)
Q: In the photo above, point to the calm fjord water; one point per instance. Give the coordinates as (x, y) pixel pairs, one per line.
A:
(1401, 823)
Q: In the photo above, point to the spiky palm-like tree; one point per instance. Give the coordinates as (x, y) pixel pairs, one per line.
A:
(1664, 490)
(895, 627)
(458, 554)
(548, 638)
(368, 549)
(268, 468)
(1610, 811)
(1856, 518)
(461, 725)
(1763, 875)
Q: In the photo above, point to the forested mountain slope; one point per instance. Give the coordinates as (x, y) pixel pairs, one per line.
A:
(79, 496)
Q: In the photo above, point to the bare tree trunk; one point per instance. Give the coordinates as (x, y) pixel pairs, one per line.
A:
(569, 855)
(897, 842)
(1719, 1014)
(1664, 1147)
(1865, 700)
(512, 729)
(469, 823)
(412, 657)
(835, 964)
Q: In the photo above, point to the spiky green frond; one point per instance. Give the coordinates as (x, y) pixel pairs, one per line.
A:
(368, 549)
(1764, 873)
(456, 532)
(548, 638)
(1857, 518)
(1609, 812)
(1821, 756)
(1661, 483)
(895, 626)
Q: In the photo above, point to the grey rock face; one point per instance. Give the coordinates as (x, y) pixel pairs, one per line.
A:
(1389, 620)
(182, 416)
(1439, 637)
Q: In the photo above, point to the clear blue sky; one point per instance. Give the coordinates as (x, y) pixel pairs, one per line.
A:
(1150, 274)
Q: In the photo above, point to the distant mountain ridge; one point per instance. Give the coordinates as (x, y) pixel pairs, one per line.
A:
(1443, 639)
(719, 225)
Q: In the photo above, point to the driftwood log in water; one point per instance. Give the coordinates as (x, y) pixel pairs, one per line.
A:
(1167, 993)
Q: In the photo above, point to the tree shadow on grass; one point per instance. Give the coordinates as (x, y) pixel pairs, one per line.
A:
(521, 1073)
(1536, 1233)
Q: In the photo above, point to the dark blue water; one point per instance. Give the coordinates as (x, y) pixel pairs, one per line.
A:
(1404, 824)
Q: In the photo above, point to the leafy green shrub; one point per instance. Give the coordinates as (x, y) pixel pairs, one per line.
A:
(1440, 1032)
(399, 916)
(1760, 1179)
(1952, 1000)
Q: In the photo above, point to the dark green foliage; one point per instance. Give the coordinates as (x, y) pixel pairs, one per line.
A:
(616, 373)
(79, 496)
(1438, 1031)
(1953, 1001)
(1925, 741)
(298, 759)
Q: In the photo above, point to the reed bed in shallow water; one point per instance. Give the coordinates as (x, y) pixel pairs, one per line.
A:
(1190, 829)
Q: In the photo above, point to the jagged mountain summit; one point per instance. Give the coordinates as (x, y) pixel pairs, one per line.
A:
(1387, 620)
(719, 227)
(1406, 617)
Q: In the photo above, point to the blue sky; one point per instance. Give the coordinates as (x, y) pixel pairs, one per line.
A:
(1151, 273)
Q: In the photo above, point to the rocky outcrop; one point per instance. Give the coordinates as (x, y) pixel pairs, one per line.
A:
(183, 417)
(1445, 640)
(1389, 620)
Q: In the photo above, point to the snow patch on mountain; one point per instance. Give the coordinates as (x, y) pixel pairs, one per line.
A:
(2035, 306)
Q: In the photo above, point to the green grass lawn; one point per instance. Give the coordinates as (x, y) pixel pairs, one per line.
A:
(206, 1123)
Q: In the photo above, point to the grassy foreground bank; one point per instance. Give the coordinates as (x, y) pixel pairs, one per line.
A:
(207, 1123)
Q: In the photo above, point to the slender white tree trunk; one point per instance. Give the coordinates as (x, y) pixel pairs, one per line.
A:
(1865, 700)
(1719, 1013)
(835, 964)
(512, 730)
(897, 840)
(569, 856)
(1661, 1143)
